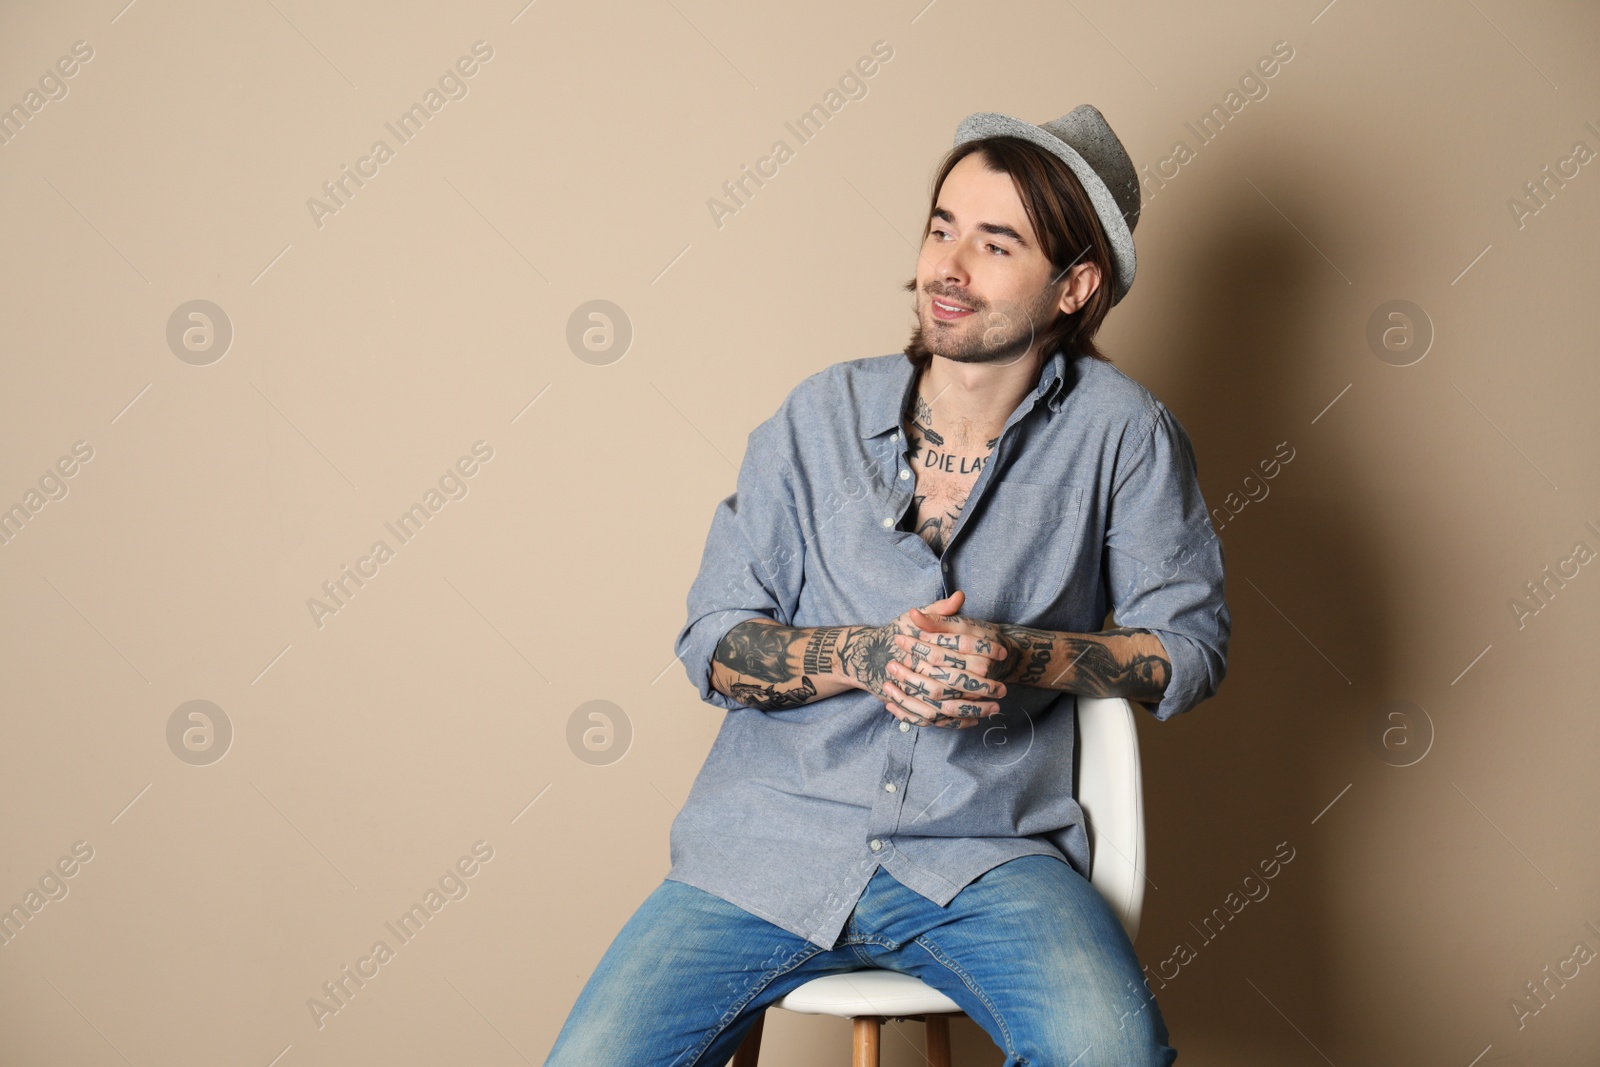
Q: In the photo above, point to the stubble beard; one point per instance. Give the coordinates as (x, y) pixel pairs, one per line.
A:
(987, 335)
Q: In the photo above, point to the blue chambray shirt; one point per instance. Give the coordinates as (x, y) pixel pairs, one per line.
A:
(1089, 501)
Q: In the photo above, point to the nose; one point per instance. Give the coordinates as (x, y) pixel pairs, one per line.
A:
(951, 263)
(950, 271)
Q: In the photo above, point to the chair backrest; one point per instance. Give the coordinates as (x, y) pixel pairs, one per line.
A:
(1111, 794)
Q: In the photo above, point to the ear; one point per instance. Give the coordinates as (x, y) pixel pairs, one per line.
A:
(1082, 281)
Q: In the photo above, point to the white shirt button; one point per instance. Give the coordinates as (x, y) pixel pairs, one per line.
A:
(904, 475)
(875, 844)
(888, 787)
(895, 436)
(904, 726)
(887, 522)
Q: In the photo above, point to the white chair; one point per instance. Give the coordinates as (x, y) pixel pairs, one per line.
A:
(1111, 795)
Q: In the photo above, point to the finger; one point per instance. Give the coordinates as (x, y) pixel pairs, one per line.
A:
(936, 621)
(959, 671)
(916, 685)
(921, 707)
(953, 641)
(917, 707)
(941, 720)
(922, 651)
(970, 686)
(938, 682)
(894, 708)
(988, 646)
(903, 715)
(964, 711)
(967, 639)
(918, 651)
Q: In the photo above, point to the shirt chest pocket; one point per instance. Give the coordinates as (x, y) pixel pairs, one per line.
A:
(1026, 540)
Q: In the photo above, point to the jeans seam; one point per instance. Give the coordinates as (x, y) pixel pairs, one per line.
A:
(872, 939)
(755, 990)
(971, 983)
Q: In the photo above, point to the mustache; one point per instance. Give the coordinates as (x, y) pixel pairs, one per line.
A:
(953, 298)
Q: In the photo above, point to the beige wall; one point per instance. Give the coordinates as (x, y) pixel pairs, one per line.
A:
(371, 351)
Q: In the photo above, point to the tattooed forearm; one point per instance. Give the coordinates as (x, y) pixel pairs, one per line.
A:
(768, 698)
(819, 650)
(1124, 661)
(760, 650)
(767, 665)
(1029, 655)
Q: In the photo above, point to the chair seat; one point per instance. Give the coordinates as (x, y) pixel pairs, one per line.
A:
(871, 992)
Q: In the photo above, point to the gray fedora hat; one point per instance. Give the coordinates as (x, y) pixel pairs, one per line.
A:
(1083, 140)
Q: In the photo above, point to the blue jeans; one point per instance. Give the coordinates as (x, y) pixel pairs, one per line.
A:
(1030, 950)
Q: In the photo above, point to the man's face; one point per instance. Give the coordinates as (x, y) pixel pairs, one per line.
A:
(981, 254)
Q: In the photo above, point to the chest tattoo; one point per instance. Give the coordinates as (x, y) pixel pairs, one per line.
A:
(945, 473)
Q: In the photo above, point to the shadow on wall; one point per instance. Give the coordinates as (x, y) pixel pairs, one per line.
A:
(1242, 890)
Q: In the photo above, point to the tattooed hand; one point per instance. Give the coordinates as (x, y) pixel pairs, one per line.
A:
(1001, 650)
(925, 676)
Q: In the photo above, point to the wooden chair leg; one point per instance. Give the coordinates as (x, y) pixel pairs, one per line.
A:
(750, 1048)
(866, 1041)
(938, 1037)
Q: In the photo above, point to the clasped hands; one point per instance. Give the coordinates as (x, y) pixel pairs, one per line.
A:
(936, 668)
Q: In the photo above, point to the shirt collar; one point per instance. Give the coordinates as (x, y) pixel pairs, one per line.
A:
(885, 408)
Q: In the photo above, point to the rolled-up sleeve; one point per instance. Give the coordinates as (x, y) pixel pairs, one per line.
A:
(753, 561)
(1164, 562)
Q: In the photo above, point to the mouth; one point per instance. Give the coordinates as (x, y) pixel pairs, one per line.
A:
(946, 311)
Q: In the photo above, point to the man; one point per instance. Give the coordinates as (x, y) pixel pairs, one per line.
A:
(899, 793)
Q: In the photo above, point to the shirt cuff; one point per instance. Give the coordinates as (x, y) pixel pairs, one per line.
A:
(1188, 682)
(700, 643)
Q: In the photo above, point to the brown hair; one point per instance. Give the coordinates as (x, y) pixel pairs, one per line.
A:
(1068, 229)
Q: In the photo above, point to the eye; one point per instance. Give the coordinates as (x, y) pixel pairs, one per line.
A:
(997, 248)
